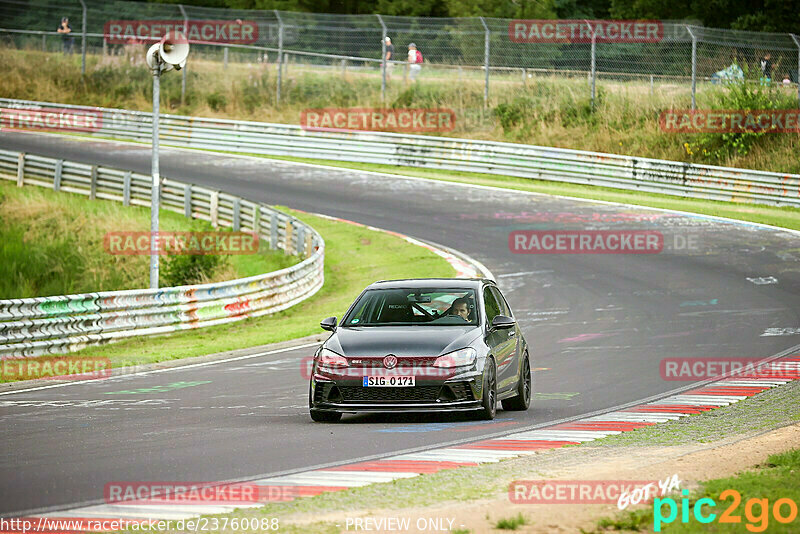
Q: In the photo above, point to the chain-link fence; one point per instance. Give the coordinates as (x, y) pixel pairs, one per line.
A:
(503, 56)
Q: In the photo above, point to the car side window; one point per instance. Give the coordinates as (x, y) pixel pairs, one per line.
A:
(490, 305)
(504, 309)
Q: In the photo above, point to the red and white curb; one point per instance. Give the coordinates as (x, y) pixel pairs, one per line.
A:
(288, 487)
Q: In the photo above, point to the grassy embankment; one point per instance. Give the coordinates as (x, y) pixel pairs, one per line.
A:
(547, 111)
(52, 243)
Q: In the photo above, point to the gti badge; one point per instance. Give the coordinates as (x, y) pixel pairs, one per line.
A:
(390, 361)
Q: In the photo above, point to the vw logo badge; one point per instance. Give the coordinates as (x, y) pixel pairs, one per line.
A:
(390, 361)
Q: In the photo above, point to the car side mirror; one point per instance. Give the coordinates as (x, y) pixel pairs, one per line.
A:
(502, 321)
(328, 324)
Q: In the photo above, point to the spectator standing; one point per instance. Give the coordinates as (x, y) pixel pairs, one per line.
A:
(66, 35)
(414, 60)
(766, 68)
(389, 57)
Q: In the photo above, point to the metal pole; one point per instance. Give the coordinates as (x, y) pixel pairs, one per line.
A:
(83, 39)
(694, 67)
(280, 57)
(383, 58)
(155, 191)
(184, 69)
(797, 43)
(44, 43)
(594, 61)
(486, 36)
(225, 58)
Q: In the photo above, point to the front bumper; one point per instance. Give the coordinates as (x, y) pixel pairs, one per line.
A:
(458, 393)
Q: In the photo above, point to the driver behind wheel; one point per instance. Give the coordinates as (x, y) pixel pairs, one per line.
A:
(460, 307)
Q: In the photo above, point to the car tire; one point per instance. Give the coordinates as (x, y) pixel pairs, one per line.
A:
(522, 400)
(489, 398)
(321, 416)
(325, 417)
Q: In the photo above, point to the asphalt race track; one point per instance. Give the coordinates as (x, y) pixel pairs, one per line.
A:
(598, 324)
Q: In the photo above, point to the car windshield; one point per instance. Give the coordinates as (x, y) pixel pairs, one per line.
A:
(417, 306)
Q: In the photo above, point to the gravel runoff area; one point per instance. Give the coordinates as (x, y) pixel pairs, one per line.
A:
(715, 444)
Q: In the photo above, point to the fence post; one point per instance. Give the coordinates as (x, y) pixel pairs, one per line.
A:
(126, 189)
(225, 58)
(183, 70)
(797, 43)
(83, 38)
(187, 201)
(301, 239)
(93, 183)
(383, 58)
(44, 42)
(257, 220)
(273, 231)
(287, 242)
(237, 214)
(280, 57)
(694, 67)
(21, 170)
(486, 36)
(593, 68)
(214, 209)
(57, 175)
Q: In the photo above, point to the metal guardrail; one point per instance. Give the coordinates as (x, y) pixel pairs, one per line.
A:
(508, 159)
(48, 325)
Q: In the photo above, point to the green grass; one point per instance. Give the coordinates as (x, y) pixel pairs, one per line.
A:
(511, 523)
(52, 244)
(775, 479)
(354, 258)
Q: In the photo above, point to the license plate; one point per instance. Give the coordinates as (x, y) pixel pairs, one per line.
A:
(389, 381)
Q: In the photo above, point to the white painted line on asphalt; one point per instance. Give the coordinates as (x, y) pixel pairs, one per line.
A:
(179, 368)
(336, 478)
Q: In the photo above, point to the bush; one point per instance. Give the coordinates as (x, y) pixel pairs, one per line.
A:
(718, 147)
(216, 101)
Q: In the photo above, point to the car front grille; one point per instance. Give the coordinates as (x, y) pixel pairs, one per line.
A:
(379, 394)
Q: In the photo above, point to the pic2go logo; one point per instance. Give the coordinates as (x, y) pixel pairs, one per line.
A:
(756, 523)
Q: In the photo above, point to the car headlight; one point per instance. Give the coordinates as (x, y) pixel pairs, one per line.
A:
(458, 358)
(328, 358)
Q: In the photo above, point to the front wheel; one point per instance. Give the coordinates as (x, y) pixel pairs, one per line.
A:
(489, 399)
(522, 400)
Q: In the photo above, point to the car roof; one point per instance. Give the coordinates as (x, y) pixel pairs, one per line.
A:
(412, 283)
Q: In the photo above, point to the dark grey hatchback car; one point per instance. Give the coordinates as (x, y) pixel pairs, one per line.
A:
(420, 345)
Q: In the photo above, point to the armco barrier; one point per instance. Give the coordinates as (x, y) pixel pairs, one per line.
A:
(525, 161)
(48, 325)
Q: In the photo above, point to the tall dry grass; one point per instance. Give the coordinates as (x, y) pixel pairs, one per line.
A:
(545, 110)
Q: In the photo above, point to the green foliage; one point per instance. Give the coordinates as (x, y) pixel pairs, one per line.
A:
(719, 146)
(189, 269)
(217, 101)
(511, 523)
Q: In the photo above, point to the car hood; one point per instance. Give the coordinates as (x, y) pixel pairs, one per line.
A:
(401, 341)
